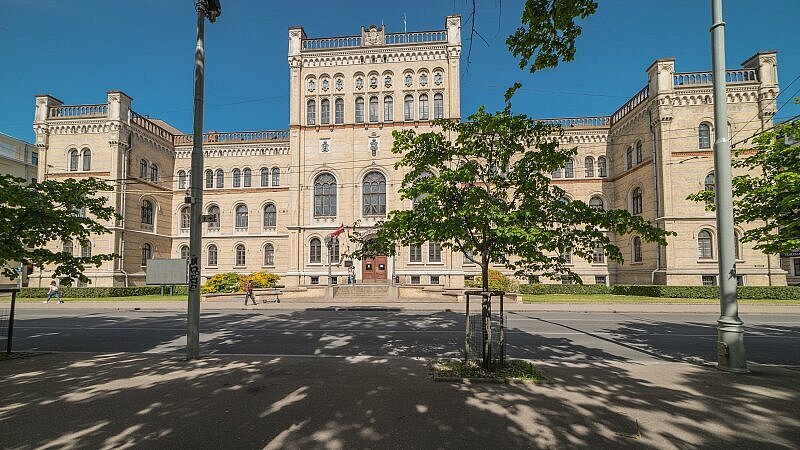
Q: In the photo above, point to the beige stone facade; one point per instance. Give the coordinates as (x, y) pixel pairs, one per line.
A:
(20, 159)
(280, 193)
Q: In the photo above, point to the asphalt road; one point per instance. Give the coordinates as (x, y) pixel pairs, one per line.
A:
(555, 336)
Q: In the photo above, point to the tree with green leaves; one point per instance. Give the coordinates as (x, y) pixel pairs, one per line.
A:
(482, 188)
(33, 215)
(768, 192)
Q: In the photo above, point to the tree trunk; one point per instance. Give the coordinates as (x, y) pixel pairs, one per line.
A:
(486, 316)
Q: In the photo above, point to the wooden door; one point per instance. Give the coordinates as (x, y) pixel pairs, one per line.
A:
(373, 270)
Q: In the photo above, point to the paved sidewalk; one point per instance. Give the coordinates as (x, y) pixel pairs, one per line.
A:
(155, 401)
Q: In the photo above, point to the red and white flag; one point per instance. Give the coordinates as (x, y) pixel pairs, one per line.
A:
(338, 231)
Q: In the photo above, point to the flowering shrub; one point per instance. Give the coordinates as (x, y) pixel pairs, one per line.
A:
(233, 282)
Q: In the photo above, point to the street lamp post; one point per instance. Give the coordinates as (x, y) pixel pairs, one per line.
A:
(212, 10)
(730, 328)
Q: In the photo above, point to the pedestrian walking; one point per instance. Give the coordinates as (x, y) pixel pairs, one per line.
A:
(249, 293)
(53, 293)
(351, 275)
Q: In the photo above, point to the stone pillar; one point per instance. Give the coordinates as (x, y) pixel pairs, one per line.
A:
(119, 106)
(453, 24)
(766, 65)
(43, 104)
(296, 36)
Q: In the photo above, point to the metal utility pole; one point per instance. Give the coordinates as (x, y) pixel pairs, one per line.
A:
(730, 328)
(212, 10)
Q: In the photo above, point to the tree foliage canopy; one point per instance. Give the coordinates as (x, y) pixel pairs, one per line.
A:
(482, 187)
(769, 191)
(32, 215)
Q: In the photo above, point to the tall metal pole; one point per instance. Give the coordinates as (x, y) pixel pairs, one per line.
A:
(196, 199)
(730, 328)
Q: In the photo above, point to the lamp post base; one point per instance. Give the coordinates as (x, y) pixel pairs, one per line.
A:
(730, 345)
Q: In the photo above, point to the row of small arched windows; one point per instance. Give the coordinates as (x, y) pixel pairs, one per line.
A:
(589, 168)
(241, 217)
(240, 178)
(148, 171)
(373, 113)
(80, 160)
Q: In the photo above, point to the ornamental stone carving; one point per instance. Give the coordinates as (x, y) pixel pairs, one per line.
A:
(372, 36)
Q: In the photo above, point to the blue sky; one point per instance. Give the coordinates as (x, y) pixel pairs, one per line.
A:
(76, 50)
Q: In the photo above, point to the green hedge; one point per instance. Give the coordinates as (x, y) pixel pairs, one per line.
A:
(743, 292)
(94, 292)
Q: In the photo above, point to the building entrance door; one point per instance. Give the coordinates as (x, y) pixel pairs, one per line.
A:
(373, 270)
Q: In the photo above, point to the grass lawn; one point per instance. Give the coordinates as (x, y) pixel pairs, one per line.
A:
(133, 298)
(608, 298)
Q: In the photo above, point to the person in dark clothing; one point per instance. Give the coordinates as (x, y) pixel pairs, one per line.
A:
(249, 293)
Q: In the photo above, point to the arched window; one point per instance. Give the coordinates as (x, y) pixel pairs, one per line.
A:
(66, 247)
(86, 250)
(241, 256)
(333, 251)
(147, 253)
(237, 178)
(186, 217)
(214, 211)
(315, 251)
(637, 249)
(408, 107)
(269, 255)
(87, 159)
(154, 173)
(599, 255)
(602, 168)
(374, 194)
(423, 107)
(359, 109)
(247, 177)
(181, 179)
(569, 169)
(596, 202)
(264, 177)
(270, 216)
(241, 216)
(209, 179)
(324, 195)
(143, 168)
(438, 106)
(629, 158)
(556, 173)
(388, 108)
(704, 136)
(588, 165)
(710, 183)
(212, 255)
(276, 177)
(705, 246)
(311, 112)
(373, 109)
(325, 112)
(73, 160)
(639, 155)
(147, 212)
(339, 110)
(636, 201)
(184, 252)
(423, 79)
(220, 178)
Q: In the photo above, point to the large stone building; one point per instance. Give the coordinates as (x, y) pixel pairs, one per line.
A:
(277, 194)
(19, 159)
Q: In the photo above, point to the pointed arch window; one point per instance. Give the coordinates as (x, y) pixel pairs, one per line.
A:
(636, 201)
(408, 107)
(186, 218)
(359, 109)
(73, 160)
(276, 177)
(143, 168)
(209, 179)
(315, 251)
(241, 255)
(154, 173)
(220, 178)
(374, 195)
(629, 158)
(339, 111)
(569, 169)
(181, 179)
(147, 212)
(237, 178)
(373, 109)
(602, 167)
(388, 108)
(423, 107)
(270, 216)
(269, 255)
(242, 216)
(214, 211)
(704, 136)
(705, 245)
(87, 159)
(325, 195)
(147, 253)
(710, 182)
(325, 112)
(438, 106)
(184, 252)
(637, 249)
(588, 165)
(264, 177)
(212, 255)
(311, 112)
(247, 177)
(639, 155)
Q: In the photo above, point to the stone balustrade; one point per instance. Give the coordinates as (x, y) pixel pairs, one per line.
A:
(144, 123)
(579, 122)
(77, 111)
(630, 105)
(332, 42)
(417, 37)
(707, 78)
(235, 137)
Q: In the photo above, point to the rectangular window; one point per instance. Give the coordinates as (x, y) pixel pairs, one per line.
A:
(600, 279)
(334, 280)
(797, 267)
(414, 279)
(599, 256)
(314, 280)
(740, 280)
(34, 158)
(434, 279)
(566, 279)
(434, 252)
(709, 280)
(415, 253)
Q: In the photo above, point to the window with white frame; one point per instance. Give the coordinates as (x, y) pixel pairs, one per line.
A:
(241, 255)
(324, 195)
(220, 174)
(270, 215)
(415, 253)
(374, 194)
(373, 109)
(246, 177)
(408, 107)
(388, 108)
(423, 107)
(704, 136)
(315, 251)
(264, 177)
(434, 251)
(705, 245)
(325, 112)
(269, 255)
(241, 216)
(438, 106)
(212, 255)
(73, 160)
(588, 165)
(237, 178)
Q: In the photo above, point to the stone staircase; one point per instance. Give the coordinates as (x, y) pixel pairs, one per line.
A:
(361, 292)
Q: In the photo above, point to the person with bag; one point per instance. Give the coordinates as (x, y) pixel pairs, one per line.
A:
(53, 293)
(249, 293)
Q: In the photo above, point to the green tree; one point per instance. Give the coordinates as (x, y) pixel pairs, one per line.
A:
(482, 188)
(32, 215)
(769, 190)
